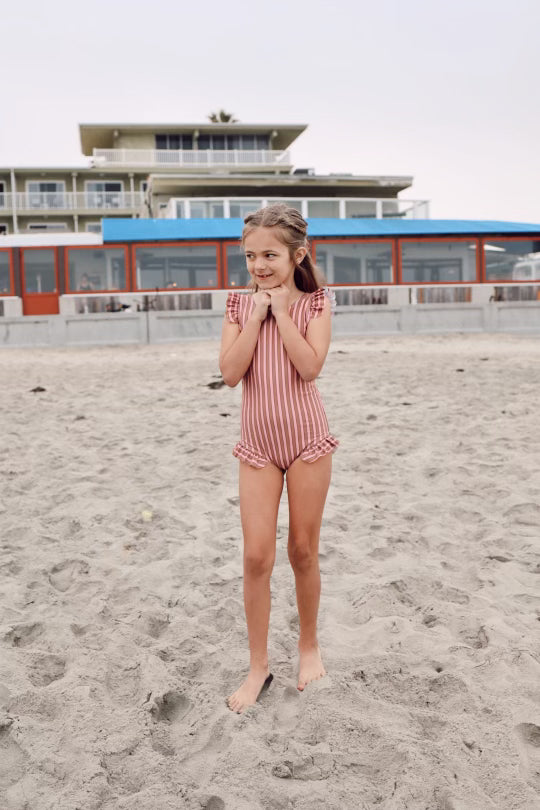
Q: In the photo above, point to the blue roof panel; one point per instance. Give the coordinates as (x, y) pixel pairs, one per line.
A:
(168, 230)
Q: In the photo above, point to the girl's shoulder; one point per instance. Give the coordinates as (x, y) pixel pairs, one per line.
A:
(316, 304)
(235, 305)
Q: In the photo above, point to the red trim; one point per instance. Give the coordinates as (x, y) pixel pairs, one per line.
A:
(95, 247)
(205, 243)
(46, 303)
(388, 241)
(11, 272)
(403, 239)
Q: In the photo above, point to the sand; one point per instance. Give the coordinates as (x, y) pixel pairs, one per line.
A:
(122, 625)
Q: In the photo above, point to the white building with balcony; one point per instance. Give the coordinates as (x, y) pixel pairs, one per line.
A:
(203, 170)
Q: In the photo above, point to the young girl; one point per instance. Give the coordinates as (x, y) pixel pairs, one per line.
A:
(276, 340)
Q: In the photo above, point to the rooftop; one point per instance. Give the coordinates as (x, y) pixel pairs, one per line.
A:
(101, 136)
(150, 230)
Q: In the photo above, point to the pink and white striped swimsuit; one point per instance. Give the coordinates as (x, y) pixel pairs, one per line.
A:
(283, 415)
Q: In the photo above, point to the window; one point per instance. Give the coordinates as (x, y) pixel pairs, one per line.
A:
(50, 227)
(355, 262)
(323, 208)
(237, 274)
(358, 209)
(211, 141)
(93, 227)
(174, 141)
(3, 200)
(3, 227)
(512, 259)
(39, 270)
(104, 193)
(438, 261)
(206, 209)
(5, 280)
(176, 266)
(45, 194)
(96, 269)
(241, 208)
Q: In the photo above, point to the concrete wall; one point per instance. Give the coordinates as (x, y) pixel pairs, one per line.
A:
(171, 327)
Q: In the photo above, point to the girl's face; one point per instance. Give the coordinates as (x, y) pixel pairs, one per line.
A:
(268, 260)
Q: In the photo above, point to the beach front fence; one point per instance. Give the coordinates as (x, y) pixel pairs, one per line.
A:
(175, 316)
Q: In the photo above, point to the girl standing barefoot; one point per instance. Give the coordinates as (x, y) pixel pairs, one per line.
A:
(276, 340)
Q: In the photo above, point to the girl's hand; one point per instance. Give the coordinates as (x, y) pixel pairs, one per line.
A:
(262, 302)
(280, 299)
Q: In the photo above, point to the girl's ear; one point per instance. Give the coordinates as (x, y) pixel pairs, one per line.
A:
(300, 254)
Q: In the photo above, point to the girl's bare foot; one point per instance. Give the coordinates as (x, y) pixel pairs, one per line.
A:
(311, 666)
(248, 692)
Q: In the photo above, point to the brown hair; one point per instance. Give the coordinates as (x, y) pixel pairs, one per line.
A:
(293, 233)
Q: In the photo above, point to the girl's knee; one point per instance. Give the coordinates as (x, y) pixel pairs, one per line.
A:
(257, 564)
(303, 553)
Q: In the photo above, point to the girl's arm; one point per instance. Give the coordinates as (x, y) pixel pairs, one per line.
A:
(306, 354)
(237, 349)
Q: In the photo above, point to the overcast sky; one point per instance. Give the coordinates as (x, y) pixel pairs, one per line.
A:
(445, 92)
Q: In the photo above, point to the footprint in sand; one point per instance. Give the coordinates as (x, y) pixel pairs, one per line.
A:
(170, 707)
(22, 635)
(529, 750)
(62, 575)
(287, 710)
(44, 668)
(12, 759)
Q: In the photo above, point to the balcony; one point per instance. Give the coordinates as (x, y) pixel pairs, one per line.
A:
(191, 158)
(61, 202)
(315, 207)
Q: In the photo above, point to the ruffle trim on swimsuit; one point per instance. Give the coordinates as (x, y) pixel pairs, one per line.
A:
(232, 306)
(320, 447)
(248, 454)
(317, 301)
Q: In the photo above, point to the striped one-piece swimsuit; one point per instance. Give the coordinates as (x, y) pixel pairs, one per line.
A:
(283, 415)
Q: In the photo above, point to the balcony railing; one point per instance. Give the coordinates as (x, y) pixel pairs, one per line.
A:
(190, 158)
(314, 207)
(62, 201)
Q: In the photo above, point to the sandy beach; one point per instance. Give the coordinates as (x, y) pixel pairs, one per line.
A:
(122, 625)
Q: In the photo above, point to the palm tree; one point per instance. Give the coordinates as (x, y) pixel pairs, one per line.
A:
(222, 117)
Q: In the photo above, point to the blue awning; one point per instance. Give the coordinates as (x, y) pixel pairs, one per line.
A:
(173, 230)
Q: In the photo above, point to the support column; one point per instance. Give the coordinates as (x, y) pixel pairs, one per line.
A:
(74, 203)
(14, 200)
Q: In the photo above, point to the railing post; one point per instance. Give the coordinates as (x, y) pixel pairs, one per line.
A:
(378, 209)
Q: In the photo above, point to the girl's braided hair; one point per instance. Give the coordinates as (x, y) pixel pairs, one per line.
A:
(293, 233)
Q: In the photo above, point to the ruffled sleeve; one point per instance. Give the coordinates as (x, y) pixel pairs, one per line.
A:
(232, 307)
(317, 301)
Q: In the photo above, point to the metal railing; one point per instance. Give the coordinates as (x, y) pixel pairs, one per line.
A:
(60, 201)
(190, 158)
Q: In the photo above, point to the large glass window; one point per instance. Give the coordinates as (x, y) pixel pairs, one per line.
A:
(512, 259)
(39, 275)
(104, 194)
(96, 269)
(438, 261)
(323, 208)
(355, 262)
(46, 194)
(176, 266)
(237, 274)
(291, 203)
(5, 281)
(360, 209)
(206, 209)
(166, 141)
(241, 208)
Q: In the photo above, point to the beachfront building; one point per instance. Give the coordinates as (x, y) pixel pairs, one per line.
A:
(208, 170)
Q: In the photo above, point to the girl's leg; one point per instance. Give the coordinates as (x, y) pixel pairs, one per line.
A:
(307, 486)
(260, 491)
